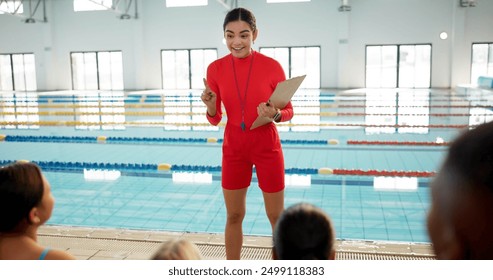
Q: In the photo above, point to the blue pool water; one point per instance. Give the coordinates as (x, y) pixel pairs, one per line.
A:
(116, 183)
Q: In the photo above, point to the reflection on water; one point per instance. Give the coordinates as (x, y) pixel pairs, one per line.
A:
(100, 110)
(296, 180)
(192, 177)
(395, 183)
(19, 109)
(101, 175)
(378, 111)
(391, 111)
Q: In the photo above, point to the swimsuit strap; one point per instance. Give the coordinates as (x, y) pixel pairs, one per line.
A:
(44, 253)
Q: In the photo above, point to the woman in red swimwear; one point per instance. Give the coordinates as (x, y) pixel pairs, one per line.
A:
(243, 82)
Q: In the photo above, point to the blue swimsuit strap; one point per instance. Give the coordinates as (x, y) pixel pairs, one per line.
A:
(44, 253)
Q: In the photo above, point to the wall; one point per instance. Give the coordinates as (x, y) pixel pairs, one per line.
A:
(342, 36)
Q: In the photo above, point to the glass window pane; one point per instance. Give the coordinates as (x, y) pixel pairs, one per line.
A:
(306, 60)
(407, 61)
(90, 71)
(373, 71)
(6, 73)
(389, 67)
(422, 70)
(176, 70)
(200, 59)
(78, 78)
(168, 62)
(30, 72)
(104, 70)
(182, 70)
(414, 66)
(19, 77)
(117, 71)
(479, 61)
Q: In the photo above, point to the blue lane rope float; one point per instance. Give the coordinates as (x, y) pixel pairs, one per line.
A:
(78, 166)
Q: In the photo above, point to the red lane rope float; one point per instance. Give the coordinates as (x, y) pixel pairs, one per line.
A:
(397, 143)
(384, 173)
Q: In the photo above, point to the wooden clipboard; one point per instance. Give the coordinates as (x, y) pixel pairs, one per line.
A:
(280, 97)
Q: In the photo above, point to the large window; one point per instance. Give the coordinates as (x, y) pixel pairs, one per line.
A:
(297, 61)
(185, 69)
(482, 61)
(398, 66)
(97, 70)
(11, 6)
(17, 72)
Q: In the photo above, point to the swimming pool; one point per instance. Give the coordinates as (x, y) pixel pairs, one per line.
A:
(364, 156)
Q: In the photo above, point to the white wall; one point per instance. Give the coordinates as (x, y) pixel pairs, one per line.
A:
(342, 36)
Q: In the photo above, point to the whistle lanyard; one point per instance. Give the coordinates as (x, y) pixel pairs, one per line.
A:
(242, 101)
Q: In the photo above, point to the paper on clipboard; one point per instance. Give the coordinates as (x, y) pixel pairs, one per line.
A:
(280, 97)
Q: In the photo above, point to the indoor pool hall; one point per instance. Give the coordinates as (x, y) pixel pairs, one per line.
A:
(112, 100)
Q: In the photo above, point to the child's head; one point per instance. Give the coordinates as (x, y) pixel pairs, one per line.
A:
(304, 232)
(178, 249)
(25, 197)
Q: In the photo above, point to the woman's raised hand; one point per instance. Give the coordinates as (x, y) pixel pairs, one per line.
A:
(209, 98)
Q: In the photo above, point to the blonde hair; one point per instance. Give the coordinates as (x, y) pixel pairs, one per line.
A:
(178, 249)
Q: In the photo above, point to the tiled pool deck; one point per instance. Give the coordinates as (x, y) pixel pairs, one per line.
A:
(122, 244)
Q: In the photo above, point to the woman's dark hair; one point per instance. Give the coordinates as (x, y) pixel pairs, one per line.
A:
(21, 189)
(304, 232)
(240, 14)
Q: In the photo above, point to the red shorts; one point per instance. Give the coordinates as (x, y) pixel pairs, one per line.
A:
(260, 147)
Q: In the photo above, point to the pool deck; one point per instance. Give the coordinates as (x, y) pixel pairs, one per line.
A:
(123, 244)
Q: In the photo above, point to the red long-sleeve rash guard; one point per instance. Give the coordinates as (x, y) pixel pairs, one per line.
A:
(265, 74)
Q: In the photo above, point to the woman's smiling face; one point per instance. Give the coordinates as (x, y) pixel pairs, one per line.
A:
(239, 38)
